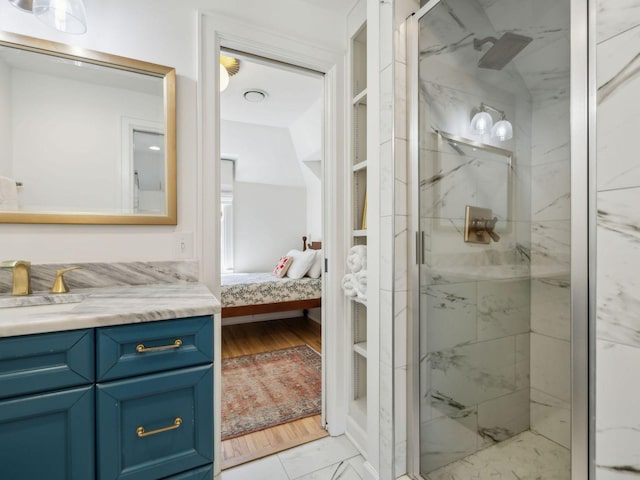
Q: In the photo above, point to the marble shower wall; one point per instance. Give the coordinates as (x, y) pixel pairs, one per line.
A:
(475, 331)
(618, 240)
(545, 69)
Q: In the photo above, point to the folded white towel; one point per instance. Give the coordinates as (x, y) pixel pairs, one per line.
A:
(357, 258)
(350, 285)
(8, 194)
(361, 279)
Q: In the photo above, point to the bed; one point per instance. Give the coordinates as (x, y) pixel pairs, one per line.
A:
(257, 293)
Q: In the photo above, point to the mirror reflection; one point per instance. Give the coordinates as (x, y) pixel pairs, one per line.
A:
(78, 137)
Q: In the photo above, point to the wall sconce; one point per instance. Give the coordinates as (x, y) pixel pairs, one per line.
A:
(482, 123)
(68, 16)
(229, 66)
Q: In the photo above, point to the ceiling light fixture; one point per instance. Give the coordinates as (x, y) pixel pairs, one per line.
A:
(482, 123)
(68, 16)
(155, 148)
(229, 66)
(254, 95)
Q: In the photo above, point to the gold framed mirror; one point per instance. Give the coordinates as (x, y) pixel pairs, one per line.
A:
(85, 137)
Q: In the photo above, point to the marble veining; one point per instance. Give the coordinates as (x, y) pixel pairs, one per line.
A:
(526, 456)
(618, 262)
(114, 306)
(618, 416)
(98, 275)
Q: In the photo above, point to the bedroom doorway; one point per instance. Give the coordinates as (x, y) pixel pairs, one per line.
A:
(271, 137)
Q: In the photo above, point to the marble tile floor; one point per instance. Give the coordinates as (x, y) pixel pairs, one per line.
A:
(527, 456)
(330, 458)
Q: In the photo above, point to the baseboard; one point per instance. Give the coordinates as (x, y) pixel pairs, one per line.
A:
(315, 314)
(263, 317)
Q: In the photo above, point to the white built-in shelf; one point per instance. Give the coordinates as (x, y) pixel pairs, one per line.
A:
(360, 98)
(360, 349)
(359, 233)
(359, 410)
(360, 166)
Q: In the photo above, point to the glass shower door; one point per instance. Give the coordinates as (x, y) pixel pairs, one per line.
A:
(494, 218)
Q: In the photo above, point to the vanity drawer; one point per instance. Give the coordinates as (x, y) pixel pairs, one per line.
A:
(37, 363)
(175, 411)
(130, 350)
(204, 473)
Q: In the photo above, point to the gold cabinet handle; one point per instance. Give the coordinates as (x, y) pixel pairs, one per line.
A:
(142, 349)
(142, 433)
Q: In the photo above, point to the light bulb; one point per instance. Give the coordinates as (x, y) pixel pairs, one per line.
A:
(502, 131)
(224, 78)
(481, 123)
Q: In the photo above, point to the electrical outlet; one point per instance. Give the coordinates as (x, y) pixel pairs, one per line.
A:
(183, 245)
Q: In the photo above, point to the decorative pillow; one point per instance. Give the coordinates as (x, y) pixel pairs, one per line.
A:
(283, 265)
(302, 262)
(316, 268)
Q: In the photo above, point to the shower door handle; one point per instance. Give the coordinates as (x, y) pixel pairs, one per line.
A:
(420, 247)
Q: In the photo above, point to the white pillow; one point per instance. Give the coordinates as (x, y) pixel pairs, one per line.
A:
(316, 268)
(301, 264)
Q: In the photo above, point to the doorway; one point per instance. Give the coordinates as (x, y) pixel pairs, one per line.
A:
(271, 137)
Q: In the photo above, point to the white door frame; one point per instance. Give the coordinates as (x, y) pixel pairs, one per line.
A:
(215, 30)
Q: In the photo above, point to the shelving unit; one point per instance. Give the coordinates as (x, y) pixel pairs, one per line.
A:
(357, 169)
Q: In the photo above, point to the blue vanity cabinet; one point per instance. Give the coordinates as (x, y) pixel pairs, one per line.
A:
(204, 473)
(154, 400)
(93, 405)
(47, 406)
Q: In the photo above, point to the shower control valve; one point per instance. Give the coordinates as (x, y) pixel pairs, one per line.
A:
(479, 225)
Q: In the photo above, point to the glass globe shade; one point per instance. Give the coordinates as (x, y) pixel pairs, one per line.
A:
(224, 78)
(502, 131)
(481, 123)
(68, 16)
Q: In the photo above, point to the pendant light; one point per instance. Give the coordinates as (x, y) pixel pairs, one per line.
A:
(229, 66)
(24, 5)
(68, 16)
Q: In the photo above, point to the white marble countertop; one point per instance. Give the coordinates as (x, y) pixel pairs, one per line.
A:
(107, 306)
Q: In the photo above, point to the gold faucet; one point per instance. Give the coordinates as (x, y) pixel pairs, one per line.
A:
(59, 285)
(21, 276)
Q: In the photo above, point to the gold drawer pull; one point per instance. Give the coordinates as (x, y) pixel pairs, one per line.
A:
(142, 349)
(176, 424)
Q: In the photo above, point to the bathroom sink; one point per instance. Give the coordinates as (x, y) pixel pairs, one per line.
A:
(42, 299)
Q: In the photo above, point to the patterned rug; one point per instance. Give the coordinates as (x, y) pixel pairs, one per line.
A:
(268, 389)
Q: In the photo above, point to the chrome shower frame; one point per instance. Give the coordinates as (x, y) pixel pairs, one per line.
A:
(583, 239)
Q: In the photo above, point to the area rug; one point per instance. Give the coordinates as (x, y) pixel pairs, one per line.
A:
(268, 389)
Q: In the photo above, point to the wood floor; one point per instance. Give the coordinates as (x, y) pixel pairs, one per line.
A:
(260, 337)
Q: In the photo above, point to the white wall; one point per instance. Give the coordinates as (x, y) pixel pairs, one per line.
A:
(314, 204)
(164, 32)
(67, 140)
(269, 220)
(269, 194)
(306, 135)
(263, 154)
(5, 120)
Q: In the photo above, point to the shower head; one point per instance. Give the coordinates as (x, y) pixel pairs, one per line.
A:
(503, 50)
